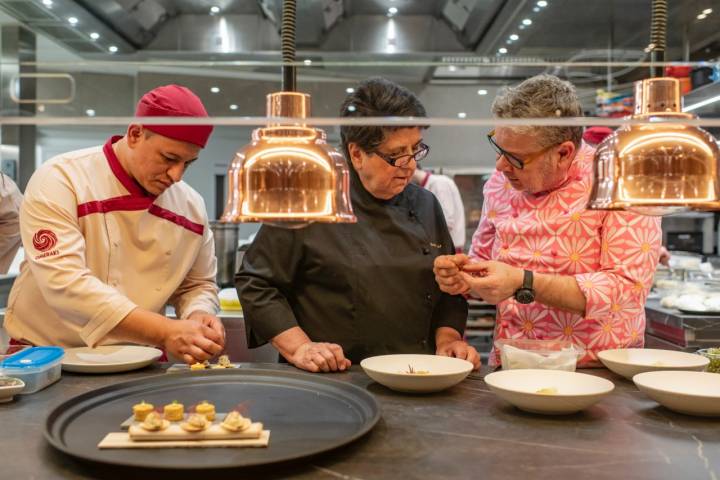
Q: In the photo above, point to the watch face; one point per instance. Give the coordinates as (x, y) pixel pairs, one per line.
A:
(525, 296)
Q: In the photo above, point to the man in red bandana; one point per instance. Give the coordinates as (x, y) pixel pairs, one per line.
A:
(112, 235)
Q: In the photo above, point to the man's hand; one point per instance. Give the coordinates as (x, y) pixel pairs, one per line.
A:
(460, 349)
(209, 321)
(196, 339)
(320, 357)
(448, 269)
(492, 281)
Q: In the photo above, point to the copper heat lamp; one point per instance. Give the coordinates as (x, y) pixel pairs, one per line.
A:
(658, 167)
(288, 175)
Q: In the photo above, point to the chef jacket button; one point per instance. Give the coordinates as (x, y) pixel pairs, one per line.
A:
(424, 343)
(553, 253)
(426, 251)
(428, 297)
(168, 252)
(514, 214)
(505, 324)
(115, 244)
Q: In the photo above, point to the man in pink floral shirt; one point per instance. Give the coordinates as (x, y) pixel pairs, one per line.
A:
(555, 269)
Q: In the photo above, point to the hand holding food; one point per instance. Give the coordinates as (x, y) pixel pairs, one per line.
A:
(193, 340)
(492, 281)
(448, 269)
(320, 357)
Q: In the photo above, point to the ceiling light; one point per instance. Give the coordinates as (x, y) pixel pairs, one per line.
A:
(307, 61)
(707, 11)
(502, 50)
(214, 10)
(462, 114)
(73, 20)
(508, 41)
(350, 90)
(702, 16)
(94, 35)
(527, 21)
(215, 89)
(233, 107)
(536, 9)
(90, 112)
(48, 3)
(392, 11)
(542, 4)
(452, 68)
(522, 27)
(482, 91)
(113, 49)
(351, 108)
(514, 36)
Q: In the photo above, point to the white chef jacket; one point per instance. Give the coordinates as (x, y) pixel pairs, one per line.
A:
(448, 195)
(97, 246)
(10, 201)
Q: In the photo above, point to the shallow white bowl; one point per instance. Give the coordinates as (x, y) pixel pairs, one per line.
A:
(692, 393)
(109, 358)
(391, 371)
(572, 391)
(628, 362)
(8, 392)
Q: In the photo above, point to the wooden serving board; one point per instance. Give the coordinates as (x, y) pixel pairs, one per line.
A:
(120, 440)
(175, 432)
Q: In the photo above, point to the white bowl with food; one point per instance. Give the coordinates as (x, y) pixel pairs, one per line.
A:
(416, 373)
(548, 392)
(628, 362)
(691, 393)
(9, 387)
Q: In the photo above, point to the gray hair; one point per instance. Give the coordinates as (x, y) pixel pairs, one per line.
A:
(537, 97)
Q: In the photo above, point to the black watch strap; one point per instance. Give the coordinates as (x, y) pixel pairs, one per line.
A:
(528, 280)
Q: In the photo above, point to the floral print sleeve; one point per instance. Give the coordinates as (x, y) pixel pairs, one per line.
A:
(617, 291)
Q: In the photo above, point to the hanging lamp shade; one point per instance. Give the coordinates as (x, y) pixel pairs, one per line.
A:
(288, 175)
(657, 168)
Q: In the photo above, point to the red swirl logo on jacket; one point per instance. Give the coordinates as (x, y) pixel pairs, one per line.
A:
(44, 240)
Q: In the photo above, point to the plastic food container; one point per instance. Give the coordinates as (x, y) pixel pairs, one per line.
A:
(38, 367)
(9, 350)
(713, 354)
(540, 354)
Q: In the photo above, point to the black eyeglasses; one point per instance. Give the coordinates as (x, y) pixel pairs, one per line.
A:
(512, 159)
(400, 161)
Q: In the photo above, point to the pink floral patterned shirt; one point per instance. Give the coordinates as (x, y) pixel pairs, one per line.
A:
(611, 254)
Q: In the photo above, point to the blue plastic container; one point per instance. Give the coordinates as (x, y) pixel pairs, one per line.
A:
(38, 367)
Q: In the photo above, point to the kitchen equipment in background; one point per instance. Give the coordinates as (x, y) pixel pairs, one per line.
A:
(690, 232)
(701, 76)
(226, 245)
(288, 175)
(685, 241)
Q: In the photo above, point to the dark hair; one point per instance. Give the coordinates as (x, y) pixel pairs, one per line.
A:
(376, 97)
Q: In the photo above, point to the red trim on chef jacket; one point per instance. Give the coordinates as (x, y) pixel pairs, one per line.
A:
(138, 199)
(425, 180)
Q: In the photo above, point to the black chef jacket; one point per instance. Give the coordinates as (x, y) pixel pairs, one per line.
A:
(368, 286)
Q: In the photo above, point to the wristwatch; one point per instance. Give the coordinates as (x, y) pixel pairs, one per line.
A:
(526, 293)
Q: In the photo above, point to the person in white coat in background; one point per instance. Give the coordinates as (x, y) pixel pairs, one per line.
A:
(447, 193)
(112, 234)
(10, 241)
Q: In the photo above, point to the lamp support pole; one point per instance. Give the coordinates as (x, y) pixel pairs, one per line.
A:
(658, 36)
(287, 34)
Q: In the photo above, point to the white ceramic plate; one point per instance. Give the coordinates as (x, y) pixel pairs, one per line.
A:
(628, 362)
(550, 392)
(8, 392)
(692, 393)
(109, 358)
(391, 371)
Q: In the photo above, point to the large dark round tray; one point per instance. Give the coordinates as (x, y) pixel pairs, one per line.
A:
(306, 415)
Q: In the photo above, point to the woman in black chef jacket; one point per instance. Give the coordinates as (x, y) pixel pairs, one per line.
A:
(331, 294)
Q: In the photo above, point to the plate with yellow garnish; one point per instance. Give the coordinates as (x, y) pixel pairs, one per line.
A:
(549, 392)
(416, 373)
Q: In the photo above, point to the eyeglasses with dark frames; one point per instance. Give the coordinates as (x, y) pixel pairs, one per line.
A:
(400, 161)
